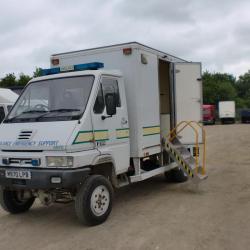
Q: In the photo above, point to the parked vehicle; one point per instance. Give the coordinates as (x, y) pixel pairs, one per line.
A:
(208, 114)
(85, 128)
(227, 112)
(7, 99)
(245, 115)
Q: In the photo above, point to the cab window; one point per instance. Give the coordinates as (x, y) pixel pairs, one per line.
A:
(111, 86)
(99, 103)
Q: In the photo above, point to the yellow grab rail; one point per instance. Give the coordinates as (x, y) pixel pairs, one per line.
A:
(173, 134)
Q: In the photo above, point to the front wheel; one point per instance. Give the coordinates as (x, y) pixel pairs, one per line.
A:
(93, 202)
(14, 202)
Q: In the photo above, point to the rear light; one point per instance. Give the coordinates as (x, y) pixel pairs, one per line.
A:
(127, 51)
(55, 61)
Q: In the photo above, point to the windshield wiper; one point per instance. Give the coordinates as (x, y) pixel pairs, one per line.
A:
(64, 110)
(54, 111)
(42, 115)
(33, 111)
(25, 112)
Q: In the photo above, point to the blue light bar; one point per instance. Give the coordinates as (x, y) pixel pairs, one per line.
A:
(51, 71)
(77, 67)
(88, 66)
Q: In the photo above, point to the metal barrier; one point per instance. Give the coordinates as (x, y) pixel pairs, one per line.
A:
(174, 132)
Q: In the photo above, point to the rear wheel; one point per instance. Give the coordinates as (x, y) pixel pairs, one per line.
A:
(93, 202)
(176, 175)
(14, 202)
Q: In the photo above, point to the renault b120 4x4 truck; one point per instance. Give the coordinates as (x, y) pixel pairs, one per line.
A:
(99, 119)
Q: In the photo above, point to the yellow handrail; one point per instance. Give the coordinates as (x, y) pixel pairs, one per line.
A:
(173, 134)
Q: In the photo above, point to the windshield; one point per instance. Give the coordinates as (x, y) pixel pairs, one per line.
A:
(52, 100)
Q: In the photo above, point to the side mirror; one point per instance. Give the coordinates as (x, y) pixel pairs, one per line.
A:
(110, 101)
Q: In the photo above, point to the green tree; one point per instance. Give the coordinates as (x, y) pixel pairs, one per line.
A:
(23, 79)
(243, 86)
(218, 87)
(8, 81)
(37, 72)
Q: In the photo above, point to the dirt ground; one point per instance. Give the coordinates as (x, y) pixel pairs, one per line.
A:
(153, 214)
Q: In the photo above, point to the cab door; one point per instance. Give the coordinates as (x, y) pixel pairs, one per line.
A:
(111, 133)
(188, 97)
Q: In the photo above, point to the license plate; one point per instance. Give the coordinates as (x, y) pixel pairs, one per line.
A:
(18, 174)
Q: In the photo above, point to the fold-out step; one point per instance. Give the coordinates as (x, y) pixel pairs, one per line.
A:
(182, 156)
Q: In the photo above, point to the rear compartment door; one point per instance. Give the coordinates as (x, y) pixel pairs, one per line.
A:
(187, 97)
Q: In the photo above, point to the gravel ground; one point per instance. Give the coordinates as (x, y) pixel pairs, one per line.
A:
(154, 214)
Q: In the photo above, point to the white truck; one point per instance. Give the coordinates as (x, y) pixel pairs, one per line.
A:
(7, 99)
(98, 119)
(227, 111)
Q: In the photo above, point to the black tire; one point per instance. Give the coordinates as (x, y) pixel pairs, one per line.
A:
(84, 210)
(12, 204)
(176, 175)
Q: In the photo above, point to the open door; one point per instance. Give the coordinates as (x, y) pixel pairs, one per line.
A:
(188, 97)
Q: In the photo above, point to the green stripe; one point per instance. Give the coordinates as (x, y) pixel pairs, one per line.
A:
(82, 142)
(82, 132)
(152, 126)
(87, 131)
(98, 130)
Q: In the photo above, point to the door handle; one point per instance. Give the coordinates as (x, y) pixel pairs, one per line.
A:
(124, 121)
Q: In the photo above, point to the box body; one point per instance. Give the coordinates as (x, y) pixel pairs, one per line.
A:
(139, 65)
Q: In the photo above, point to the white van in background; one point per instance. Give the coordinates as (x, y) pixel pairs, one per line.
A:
(227, 111)
(7, 99)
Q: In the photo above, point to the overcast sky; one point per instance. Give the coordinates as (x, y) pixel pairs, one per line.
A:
(215, 32)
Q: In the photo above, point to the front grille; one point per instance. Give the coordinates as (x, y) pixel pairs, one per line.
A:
(20, 161)
(25, 135)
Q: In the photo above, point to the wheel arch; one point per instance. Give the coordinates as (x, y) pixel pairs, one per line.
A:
(104, 165)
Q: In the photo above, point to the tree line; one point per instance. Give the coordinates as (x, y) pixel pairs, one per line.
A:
(225, 87)
(216, 86)
(11, 80)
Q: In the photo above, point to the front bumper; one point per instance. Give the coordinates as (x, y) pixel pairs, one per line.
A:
(41, 178)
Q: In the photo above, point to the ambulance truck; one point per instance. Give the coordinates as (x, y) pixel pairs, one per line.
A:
(97, 120)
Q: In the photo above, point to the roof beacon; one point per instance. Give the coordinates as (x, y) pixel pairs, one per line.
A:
(77, 67)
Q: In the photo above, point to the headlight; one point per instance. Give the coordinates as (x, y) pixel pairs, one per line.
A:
(59, 161)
